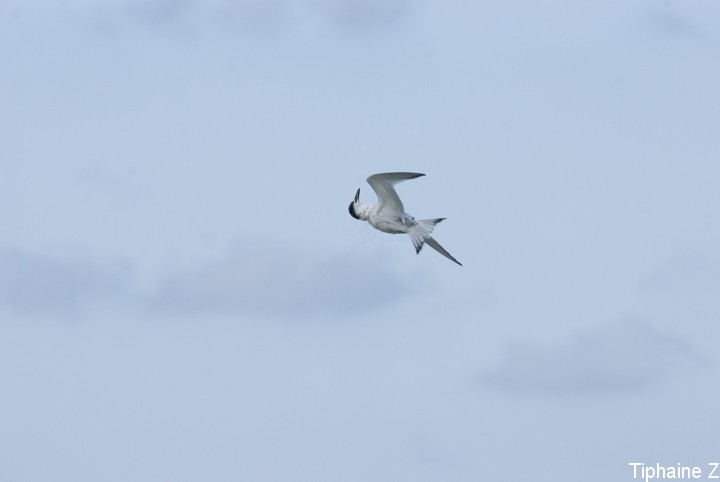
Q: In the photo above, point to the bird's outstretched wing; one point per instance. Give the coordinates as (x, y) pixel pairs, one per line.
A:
(388, 200)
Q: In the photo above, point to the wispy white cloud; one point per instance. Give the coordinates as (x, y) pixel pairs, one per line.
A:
(36, 284)
(254, 278)
(248, 16)
(688, 271)
(159, 11)
(192, 15)
(243, 16)
(363, 13)
(675, 22)
(275, 280)
(615, 357)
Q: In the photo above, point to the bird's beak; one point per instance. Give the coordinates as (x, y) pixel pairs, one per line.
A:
(357, 196)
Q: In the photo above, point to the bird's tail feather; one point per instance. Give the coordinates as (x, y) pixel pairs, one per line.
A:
(436, 246)
(420, 234)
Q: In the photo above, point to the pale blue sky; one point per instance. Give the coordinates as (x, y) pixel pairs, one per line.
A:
(184, 297)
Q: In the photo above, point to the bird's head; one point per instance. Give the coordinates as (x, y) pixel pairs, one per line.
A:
(355, 202)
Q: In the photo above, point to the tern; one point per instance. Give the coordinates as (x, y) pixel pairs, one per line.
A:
(389, 215)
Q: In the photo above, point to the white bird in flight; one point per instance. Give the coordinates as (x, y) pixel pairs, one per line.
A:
(389, 215)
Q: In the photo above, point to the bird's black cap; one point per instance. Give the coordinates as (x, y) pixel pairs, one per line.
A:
(351, 208)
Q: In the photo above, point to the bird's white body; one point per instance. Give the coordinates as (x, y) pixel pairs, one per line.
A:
(385, 221)
(389, 215)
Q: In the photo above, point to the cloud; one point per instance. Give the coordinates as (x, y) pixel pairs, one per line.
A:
(673, 23)
(363, 13)
(192, 17)
(235, 14)
(691, 271)
(159, 11)
(245, 16)
(34, 284)
(615, 357)
(278, 280)
(253, 278)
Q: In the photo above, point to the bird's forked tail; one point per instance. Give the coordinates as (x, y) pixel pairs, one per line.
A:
(420, 234)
